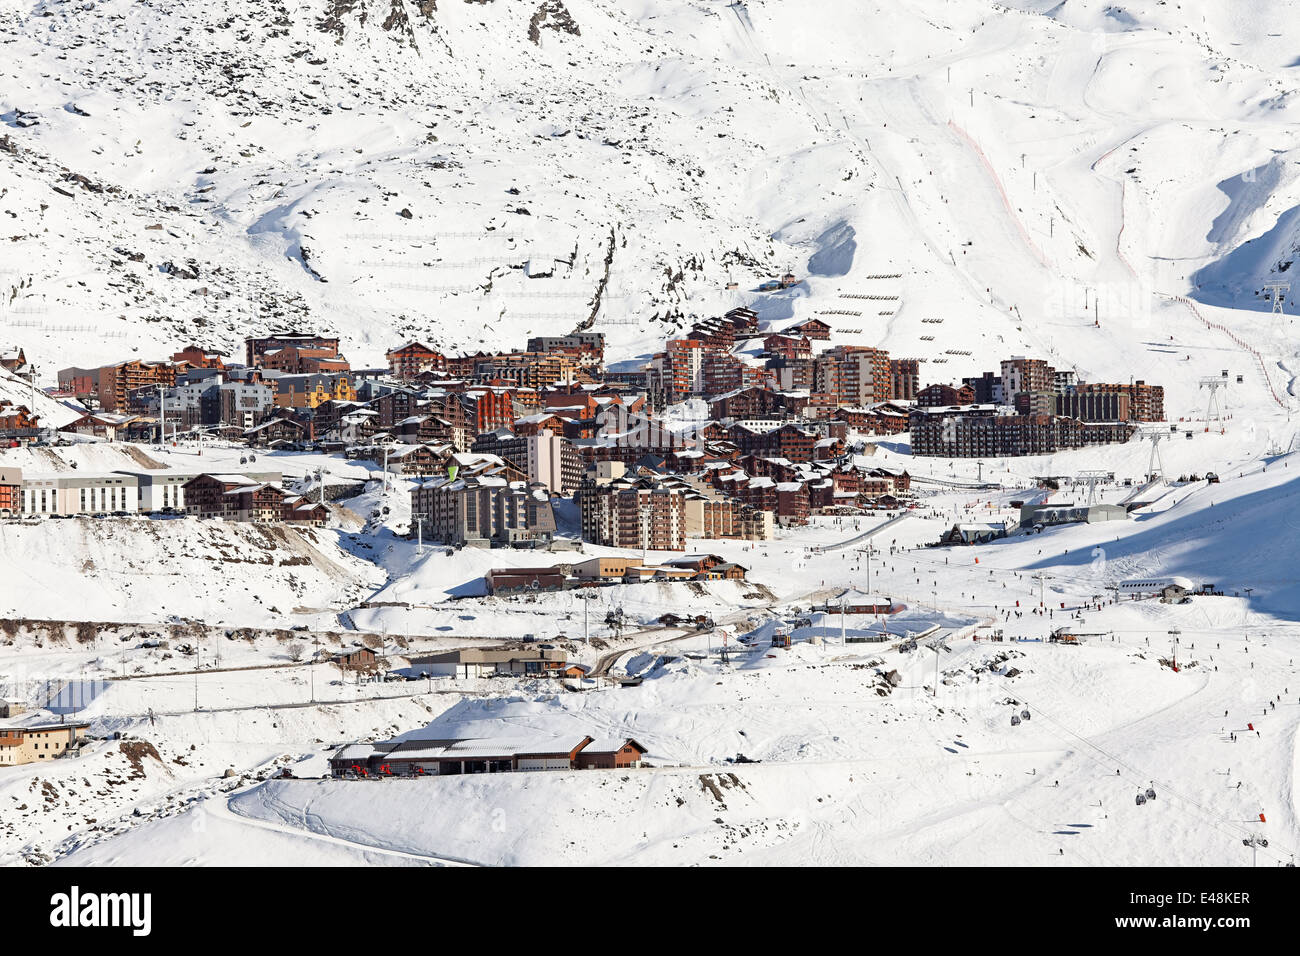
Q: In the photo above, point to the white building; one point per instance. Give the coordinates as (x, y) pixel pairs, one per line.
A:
(553, 462)
(161, 489)
(73, 493)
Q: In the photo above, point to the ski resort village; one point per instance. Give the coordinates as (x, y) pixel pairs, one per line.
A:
(687, 432)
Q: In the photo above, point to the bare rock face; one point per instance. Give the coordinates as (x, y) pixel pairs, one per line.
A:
(397, 19)
(398, 22)
(338, 12)
(552, 15)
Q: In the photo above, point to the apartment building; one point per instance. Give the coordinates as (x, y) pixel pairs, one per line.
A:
(255, 349)
(722, 372)
(853, 375)
(484, 511)
(117, 381)
(677, 373)
(587, 348)
(757, 403)
(989, 432)
(414, 358)
(1146, 403)
(1095, 406)
(939, 395)
(552, 462)
(904, 378)
(309, 391)
(1020, 374)
(535, 370)
(196, 357)
(632, 513)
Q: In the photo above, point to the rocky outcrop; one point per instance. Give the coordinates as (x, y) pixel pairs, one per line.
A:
(338, 12)
(397, 19)
(551, 15)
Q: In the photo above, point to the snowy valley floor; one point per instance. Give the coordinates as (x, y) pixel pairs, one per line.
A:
(847, 775)
(847, 770)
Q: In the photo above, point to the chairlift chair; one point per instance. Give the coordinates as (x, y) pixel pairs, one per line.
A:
(1151, 793)
(1015, 721)
(1024, 714)
(1141, 799)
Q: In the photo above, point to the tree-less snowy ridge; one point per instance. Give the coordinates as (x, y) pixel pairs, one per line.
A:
(1110, 187)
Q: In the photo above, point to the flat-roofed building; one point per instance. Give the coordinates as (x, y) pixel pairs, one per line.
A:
(159, 490)
(73, 493)
(37, 741)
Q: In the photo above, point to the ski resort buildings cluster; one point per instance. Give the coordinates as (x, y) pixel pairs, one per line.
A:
(495, 439)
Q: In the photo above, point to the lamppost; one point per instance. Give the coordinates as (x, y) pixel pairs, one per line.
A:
(321, 472)
(162, 414)
(387, 446)
(311, 667)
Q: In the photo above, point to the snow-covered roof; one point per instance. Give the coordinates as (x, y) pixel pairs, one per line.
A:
(605, 745)
(513, 746)
(357, 752)
(248, 489)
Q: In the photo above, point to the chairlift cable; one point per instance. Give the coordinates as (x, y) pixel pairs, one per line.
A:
(1215, 818)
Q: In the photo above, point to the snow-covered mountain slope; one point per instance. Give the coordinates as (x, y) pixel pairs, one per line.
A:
(154, 571)
(472, 172)
(18, 392)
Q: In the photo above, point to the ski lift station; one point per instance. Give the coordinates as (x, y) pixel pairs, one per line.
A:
(1038, 516)
(854, 601)
(1140, 587)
